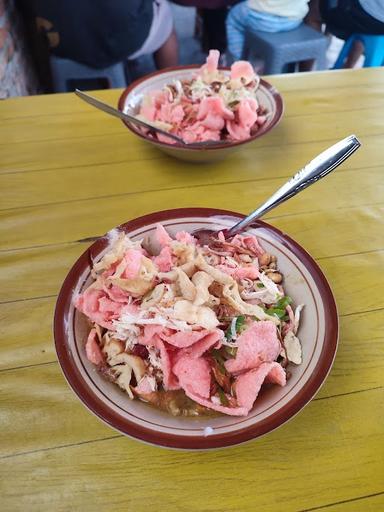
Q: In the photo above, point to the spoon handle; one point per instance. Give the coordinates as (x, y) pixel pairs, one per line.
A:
(316, 169)
(122, 115)
(131, 119)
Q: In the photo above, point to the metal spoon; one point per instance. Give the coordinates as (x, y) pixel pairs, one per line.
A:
(131, 119)
(316, 169)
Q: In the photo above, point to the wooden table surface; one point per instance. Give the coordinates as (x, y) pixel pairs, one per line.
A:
(69, 173)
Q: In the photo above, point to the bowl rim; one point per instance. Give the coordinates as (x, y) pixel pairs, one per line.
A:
(221, 440)
(270, 88)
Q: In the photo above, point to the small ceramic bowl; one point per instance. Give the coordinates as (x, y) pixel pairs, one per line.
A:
(303, 281)
(131, 99)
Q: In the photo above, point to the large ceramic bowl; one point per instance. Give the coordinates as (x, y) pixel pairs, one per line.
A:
(131, 99)
(318, 333)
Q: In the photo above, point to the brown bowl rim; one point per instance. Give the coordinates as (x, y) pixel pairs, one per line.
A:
(99, 408)
(274, 122)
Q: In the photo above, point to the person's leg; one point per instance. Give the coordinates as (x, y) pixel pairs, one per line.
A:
(354, 55)
(168, 54)
(241, 18)
(338, 18)
(347, 18)
(236, 25)
(214, 36)
(161, 41)
(313, 20)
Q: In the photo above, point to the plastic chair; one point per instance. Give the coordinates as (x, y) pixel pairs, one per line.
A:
(67, 75)
(373, 50)
(278, 49)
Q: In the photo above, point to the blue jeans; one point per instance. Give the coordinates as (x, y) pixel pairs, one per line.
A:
(241, 19)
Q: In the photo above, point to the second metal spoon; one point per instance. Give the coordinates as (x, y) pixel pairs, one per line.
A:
(132, 119)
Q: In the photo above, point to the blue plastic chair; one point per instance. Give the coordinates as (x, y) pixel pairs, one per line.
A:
(373, 50)
(279, 49)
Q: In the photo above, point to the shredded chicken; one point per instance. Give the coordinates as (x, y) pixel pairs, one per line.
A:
(293, 350)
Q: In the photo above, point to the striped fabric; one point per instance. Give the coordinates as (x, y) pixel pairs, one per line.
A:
(242, 18)
(294, 9)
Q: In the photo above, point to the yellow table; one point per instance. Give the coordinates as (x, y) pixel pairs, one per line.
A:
(69, 173)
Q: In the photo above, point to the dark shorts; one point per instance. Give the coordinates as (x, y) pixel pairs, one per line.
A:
(346, 17)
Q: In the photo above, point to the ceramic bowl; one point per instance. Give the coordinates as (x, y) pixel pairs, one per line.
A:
(303, 281)
(132, 97)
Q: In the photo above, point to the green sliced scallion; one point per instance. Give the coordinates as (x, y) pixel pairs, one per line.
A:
(283, 302)
(222, 396)
(219, 359)
(275, 312)
(239, 325)
(279, 309)
(231, 351)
